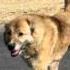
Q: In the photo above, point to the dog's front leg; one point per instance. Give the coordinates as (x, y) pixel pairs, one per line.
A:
(40, 65)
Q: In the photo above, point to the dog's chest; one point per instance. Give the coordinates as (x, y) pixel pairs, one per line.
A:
(29, 54)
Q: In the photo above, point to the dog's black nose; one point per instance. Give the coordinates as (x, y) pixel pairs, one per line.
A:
(11, 46)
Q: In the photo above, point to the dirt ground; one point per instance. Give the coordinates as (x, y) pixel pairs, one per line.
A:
(12, 8)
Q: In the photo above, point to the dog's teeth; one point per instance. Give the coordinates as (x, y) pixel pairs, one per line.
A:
(20, 52)
(27, 57)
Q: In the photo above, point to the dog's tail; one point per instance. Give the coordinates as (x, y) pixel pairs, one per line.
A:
(64, 18)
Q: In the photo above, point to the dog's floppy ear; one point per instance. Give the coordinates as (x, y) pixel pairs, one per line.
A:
(32, 30)
(31, 25)
(28, 21)
(6, 26)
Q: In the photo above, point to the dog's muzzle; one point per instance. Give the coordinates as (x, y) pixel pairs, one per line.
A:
(11, 46)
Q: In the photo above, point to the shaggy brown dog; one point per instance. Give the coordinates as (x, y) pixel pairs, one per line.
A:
(41, 40)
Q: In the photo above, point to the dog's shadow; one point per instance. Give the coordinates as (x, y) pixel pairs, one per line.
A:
(64, 63)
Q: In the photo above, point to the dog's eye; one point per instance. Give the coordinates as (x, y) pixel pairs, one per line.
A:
(32, 30)
(9, 32)
(20, 34)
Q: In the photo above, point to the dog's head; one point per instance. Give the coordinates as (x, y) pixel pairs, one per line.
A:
(17, 35)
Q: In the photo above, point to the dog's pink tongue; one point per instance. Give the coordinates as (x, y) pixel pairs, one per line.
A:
(15, 53)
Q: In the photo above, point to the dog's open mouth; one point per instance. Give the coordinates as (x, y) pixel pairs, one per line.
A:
(15, 53)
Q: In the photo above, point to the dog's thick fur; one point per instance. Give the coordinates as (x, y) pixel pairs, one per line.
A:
(49, 38)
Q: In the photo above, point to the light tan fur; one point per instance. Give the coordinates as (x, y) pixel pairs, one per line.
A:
(50, 38)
